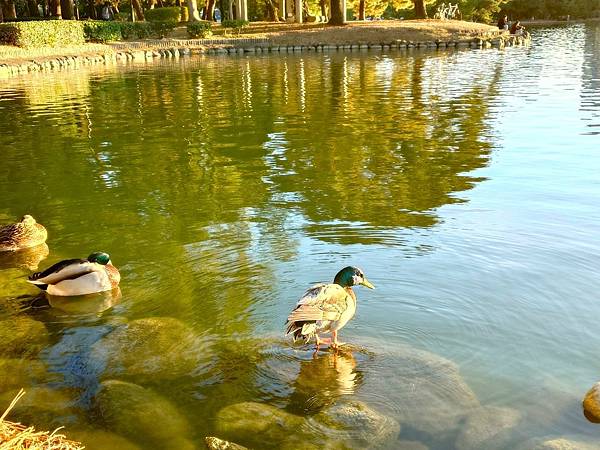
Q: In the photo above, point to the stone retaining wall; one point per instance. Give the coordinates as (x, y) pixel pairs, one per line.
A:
(147, 51)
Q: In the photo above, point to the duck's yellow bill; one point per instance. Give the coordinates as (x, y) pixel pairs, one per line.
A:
(367, 283)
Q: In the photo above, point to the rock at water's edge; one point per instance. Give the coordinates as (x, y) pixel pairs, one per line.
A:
(591, 404)
(214, 443)
(559, 443)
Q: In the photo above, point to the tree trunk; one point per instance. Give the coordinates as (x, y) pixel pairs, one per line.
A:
(9, 11)
(32, 8)
(272, 11)
(209, 11)
(139, 12)
(91, 6)
(361, 10)
(54, 6)
(193, 14)
(323, 5)
(337, 15)
(1, 14)
(420, 11)
(66, 8)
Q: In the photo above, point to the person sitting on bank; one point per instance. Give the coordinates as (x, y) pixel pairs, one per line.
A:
(503, 22)
(517, 29)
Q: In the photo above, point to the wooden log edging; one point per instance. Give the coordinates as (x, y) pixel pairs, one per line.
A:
(145, 51)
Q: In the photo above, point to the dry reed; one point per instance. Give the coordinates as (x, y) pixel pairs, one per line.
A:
(14, 436)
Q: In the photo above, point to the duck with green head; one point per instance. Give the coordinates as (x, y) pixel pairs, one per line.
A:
(78, 276)
(326, 308)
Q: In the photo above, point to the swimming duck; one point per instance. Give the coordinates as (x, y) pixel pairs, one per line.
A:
(24, 234)
(78, 276)
(326, 308)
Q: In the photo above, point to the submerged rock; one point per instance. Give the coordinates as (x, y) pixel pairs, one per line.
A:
(214, 443)
(422, 390)
(19, 373)
(410, 445)
(344, 426)
(142, 415)
(550, 404)
(559, 443)
(22, 336)
(42, 407)
(591, 404)
(488, 427)
(356, 425)
(257, 423)
(153, 348)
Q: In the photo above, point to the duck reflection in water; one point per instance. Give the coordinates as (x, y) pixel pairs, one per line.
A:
(73, 306)
(27, 258)
(323, 379)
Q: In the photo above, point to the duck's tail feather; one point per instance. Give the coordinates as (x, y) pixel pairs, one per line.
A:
(301, 330)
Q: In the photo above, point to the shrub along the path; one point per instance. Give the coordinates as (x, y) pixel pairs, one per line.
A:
(47, 33)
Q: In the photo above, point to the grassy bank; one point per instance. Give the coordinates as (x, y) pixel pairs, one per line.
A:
(14, 436)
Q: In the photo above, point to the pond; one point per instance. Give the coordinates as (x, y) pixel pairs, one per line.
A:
(464, 183)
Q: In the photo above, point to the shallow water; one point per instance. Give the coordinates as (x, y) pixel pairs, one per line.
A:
(465, 184)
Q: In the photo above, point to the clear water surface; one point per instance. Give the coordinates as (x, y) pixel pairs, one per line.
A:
(466, 184)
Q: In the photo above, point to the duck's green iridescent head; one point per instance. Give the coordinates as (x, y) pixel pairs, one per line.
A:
(99, 258)
(352, 276)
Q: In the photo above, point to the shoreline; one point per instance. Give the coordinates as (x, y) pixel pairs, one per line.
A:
(392, 35)
(549, 22)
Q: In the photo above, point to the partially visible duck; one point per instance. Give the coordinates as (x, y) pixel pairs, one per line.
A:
(326, 308)
(24, 234)
(78, 276)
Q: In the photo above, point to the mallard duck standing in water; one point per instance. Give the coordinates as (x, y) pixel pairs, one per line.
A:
(24, 234)
(78, 276)
(326, 308)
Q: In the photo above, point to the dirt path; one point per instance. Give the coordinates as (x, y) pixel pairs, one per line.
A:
(380, 31)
